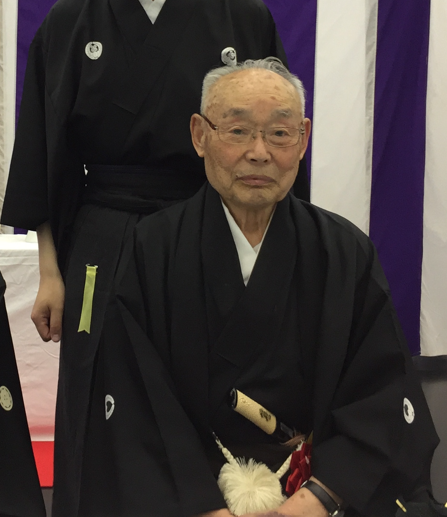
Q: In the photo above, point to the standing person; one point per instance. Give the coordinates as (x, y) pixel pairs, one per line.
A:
(109, 90)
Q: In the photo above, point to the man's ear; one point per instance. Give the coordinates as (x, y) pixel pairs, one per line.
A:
(197, 127)
(305, 137)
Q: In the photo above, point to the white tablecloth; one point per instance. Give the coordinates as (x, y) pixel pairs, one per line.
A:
(37, 361)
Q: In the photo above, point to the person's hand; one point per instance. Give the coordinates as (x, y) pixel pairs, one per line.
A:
(49, 304)
(299, 508)
(48, 308)
(302, 504)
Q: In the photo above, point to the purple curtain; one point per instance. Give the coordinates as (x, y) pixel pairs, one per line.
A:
(30, 16)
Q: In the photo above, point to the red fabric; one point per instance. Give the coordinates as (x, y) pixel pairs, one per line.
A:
(44, 456)
(300, 469)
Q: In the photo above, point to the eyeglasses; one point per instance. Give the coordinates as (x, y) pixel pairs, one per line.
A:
(274, 136)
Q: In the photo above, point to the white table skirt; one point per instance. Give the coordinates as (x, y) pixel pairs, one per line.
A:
(37, 361)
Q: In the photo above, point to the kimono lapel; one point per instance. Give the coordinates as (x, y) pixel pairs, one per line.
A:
(132, 21)
(152, 54)
(189, 338)
(256, 318)
(222, 274)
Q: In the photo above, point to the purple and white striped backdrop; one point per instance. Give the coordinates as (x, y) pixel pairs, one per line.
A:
(376, 77)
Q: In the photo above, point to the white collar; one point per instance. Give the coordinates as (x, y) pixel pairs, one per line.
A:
(152, 8)
(246, 252)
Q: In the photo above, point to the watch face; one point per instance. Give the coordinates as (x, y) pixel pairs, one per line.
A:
(5, 398)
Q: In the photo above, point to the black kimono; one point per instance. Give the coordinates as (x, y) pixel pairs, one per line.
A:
(313, 337)
(20, 493)
(108, 90)
(128, 104)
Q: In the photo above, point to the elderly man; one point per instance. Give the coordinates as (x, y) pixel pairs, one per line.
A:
(246, 287)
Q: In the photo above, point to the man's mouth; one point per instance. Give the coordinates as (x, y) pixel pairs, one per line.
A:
(256, 180)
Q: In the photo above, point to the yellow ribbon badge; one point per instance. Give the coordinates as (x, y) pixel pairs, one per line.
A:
(87, 303)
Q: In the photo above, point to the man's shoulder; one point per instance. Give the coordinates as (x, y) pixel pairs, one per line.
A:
(66, 10)
(162, 226)
(62, 21)
(325, 217)
(252, 7)
(329, 225)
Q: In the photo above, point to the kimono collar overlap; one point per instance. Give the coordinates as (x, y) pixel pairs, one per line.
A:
(253, 314)
(152, 8)
(246, 252)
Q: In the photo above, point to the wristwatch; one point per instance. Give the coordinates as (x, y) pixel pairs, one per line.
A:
(325, 499)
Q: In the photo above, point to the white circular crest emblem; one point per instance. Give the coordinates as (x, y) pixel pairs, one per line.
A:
(110, 406)
(408, 411)
(93, 50)
(5, 398)
(229, 56)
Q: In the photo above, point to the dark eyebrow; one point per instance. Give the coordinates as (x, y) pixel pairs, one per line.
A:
(235, 112)
(287, 113)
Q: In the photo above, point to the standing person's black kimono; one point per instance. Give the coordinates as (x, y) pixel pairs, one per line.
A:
(313, 337)
(107, 89)
(20, 493)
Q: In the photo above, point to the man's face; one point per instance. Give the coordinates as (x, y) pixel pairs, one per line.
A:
(254, 175)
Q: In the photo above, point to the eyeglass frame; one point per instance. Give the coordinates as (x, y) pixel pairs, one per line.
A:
(213, 126)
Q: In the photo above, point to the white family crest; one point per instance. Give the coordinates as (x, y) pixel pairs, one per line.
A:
(93, 50)
(5, 398)
(229, 56)
(408, 411)
(110, 406)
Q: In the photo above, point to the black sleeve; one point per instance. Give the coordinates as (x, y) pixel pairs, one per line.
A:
(380, 435)
(194, 487)
(46, 176)
(26, 199)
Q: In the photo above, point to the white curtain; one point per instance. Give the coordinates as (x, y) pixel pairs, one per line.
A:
(8, 53)
(343, 117)
(434, 265)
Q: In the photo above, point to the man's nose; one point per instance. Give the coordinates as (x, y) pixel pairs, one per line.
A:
(258, 150)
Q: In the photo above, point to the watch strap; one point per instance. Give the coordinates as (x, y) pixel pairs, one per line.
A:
(325, 499)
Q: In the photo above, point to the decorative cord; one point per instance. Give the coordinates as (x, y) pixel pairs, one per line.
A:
(231, 459)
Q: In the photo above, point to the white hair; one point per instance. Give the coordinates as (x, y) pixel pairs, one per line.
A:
(269, 63)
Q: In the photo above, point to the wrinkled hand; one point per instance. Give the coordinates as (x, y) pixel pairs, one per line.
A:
(302, 504)
(48, 308)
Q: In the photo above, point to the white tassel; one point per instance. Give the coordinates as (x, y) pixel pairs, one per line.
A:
(250, 487)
